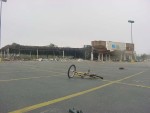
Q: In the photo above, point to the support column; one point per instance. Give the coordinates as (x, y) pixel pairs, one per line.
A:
(99, 56)
(63, 54)
(30, 54)
(8, 55)
(102, 59)
(135, 59)
(131, 57)
(106, 57)
(109, 57)
(91, 56)
(37, 54)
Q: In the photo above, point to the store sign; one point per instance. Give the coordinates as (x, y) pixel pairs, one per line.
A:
(116, 46)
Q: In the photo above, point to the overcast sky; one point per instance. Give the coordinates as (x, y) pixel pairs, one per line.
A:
(74, 23)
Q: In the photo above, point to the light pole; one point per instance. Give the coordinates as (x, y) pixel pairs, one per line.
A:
(1, 17)
(131, 21)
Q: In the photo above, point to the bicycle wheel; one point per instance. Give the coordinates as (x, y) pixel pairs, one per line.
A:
(71, 71)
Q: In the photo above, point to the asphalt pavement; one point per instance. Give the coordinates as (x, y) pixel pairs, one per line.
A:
(43, 87)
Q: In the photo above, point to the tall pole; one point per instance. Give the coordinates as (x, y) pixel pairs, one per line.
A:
(1, 18)
(131, 34)
(0, 29)
(131, 22)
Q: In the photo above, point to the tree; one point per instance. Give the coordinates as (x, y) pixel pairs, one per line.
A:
(15, 45)
(145, 56)
(52, 45)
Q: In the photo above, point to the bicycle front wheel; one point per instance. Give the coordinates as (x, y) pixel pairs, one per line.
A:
(71, 71)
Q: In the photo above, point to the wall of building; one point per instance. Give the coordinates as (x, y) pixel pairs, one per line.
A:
(117, 50)
(99, 45)
(129, 47)
(20, 51)
(115, 46)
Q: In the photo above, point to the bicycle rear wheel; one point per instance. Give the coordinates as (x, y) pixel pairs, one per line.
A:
(71, 71)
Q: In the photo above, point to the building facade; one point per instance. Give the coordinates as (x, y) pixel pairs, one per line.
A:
(108, 50)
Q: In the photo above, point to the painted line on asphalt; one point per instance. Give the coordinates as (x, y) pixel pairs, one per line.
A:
(26, 78)
(142, 86)
(40, 105)
(137, 85)
(30, 108)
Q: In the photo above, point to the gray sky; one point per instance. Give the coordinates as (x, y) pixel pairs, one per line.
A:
(74, 23)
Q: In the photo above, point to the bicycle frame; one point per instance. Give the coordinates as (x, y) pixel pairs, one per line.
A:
(81, 74)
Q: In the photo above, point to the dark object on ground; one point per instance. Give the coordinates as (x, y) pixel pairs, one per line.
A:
(74, 111)
(121, 68)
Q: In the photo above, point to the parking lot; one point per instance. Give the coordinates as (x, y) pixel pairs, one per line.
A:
(43, 87)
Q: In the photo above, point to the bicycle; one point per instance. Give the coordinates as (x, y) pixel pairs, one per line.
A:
(72, 72)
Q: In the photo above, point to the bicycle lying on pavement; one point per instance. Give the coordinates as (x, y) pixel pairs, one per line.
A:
(73, 72)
